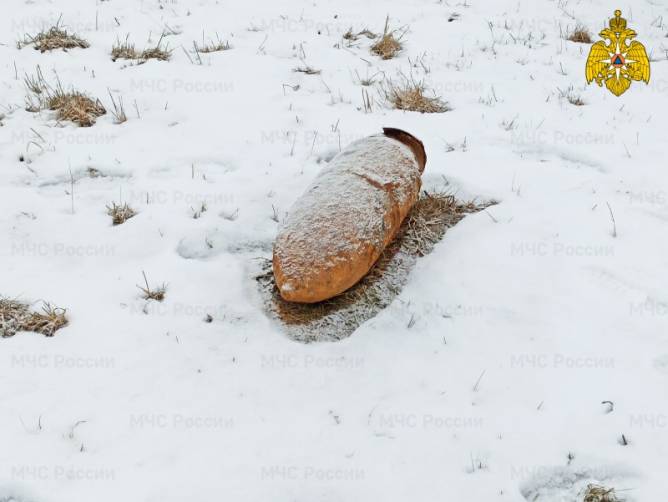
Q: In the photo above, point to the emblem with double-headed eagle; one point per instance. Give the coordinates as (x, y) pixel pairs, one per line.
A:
(619, 61)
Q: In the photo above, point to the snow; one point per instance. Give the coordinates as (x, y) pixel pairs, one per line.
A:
(526, 316)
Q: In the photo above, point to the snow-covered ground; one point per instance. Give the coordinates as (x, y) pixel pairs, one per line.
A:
(526, 317)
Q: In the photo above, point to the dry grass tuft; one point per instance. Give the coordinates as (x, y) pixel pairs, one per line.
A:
(72, 105)
(390, 43)
(570, 95)
(54, 38)
(411, 96)
(153, 294)
(118, 111)
(157, 52)
(123, 50)
(211, 46)
(339, 317)
(120, 213)
(126, 50)
(75, 107)
(16, 316)
(597, 493)
(580, 34)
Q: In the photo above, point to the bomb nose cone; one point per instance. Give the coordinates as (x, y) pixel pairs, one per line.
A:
(410, 141)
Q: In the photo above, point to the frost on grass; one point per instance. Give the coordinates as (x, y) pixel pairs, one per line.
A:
(17, 316)
(126, 50)
(120, 213)
(71, 105)
(598, 493)
(54, 38)
(413, 96)
(339, 317)
(390, 43)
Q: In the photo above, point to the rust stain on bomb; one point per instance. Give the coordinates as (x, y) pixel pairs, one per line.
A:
(340, 226)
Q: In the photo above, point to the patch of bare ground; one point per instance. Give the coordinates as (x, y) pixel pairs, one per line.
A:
(339, 317)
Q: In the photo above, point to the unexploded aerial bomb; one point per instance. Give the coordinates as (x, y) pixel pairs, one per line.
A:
(338, 228)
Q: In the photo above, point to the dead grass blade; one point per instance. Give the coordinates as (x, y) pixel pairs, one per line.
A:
(17, 316)
(157, 294)
(211, 46)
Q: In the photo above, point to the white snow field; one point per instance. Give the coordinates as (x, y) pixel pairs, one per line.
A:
(486, 379)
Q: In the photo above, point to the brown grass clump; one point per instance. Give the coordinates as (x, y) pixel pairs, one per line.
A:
(120, 213)
(123, 50)
(580, 34)
(157, 294)
(597, 493)
(126, 50)
(16, 316)
(157, 52)
(338, 317)
(74, 106)
(411, 96)
(390, 43)
(211, 46)
(54, 38)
